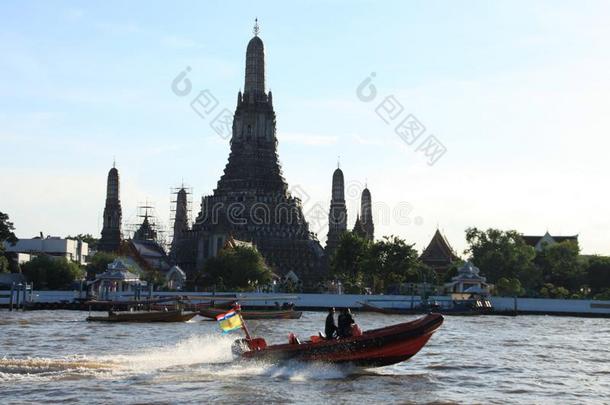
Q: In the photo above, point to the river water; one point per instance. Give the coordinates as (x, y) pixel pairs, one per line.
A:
(56, 356)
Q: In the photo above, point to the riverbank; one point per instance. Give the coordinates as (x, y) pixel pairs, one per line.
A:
(72, 300)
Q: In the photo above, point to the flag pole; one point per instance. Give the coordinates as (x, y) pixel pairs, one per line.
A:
(237, 308)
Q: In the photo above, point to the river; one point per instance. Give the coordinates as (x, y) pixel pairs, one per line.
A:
(56, 356)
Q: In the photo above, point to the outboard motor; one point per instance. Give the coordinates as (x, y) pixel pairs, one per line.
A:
(239, 347)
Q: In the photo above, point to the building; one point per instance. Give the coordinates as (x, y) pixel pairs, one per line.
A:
(251, 200)
(74, 250)
(539, 242)
(117, 278)
(111, 232)
(366, 212)
(337, 216)
(364, 226)
(145, 248)
(468, 281)
(439, 255)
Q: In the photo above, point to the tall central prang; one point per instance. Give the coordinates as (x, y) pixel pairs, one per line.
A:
(251, 201)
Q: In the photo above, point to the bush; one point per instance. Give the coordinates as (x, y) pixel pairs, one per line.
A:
(51, 273)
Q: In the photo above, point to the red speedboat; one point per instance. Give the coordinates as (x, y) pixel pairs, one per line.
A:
(373, 348)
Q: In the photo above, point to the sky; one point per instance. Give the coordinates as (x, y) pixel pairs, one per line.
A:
(513, 96)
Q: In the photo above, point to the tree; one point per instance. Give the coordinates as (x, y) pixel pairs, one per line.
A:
(89, 239)
(549, 290)
(503, 254)
(560, 265)
(509, 287)
(240, 268)
(98, 263)
(51, 273)
(6, 235)
(598, 273)
(392, 261)
(347, 263)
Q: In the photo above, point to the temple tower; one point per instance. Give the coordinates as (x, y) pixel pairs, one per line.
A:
(337, 216)
(181, 222)
(366, 210)
(111, 231)
(251, 201)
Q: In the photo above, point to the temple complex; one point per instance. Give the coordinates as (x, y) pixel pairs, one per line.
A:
(111, 232)
(337, 216)
(251, 201)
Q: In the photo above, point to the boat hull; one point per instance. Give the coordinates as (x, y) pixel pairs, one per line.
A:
(408, 311)
(375, 348)
(212, 313)
(152, 316)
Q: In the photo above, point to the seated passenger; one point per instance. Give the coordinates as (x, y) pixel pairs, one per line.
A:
(330, 329)
(345, 323)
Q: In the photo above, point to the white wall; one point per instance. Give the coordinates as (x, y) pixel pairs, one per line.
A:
(385, 301)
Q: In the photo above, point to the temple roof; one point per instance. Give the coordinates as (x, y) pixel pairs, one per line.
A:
(533, 240)
(438, 249)
(146, 231)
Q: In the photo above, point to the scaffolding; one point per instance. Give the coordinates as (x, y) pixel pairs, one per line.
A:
(173, 202)
(147, 210)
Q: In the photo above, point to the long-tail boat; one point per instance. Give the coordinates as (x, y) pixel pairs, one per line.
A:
(145, 316)
(373, 348)
(462, 307)
(212, 313)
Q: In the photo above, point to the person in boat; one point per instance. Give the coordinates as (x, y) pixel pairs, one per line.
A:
(330, 329)
(346, 320)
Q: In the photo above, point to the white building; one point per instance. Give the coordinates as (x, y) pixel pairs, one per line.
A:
(468, 281)
(74, 250)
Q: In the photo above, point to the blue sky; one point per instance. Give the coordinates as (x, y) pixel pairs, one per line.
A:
(517, 92)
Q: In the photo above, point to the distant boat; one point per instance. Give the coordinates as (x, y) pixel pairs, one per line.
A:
(145, 316)
(463, 307)
(261, 314)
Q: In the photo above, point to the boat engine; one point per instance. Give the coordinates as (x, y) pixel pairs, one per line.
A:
(239, 347)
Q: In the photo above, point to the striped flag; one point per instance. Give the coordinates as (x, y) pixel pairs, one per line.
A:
(229, 321)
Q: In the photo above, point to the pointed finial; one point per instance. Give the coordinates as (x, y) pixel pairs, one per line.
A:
(256, 28)
(339, 162)
(114, 162)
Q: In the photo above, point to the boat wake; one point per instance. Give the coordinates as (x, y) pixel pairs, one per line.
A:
(204, 357)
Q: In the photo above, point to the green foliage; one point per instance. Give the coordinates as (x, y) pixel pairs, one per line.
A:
(153, 277)
(509, 287)
(549, 290)
(359, 263)
(98, 263)
(603, 295)
(240, 268)
(503, 254)
(89, 239)
(6, 231)
(561, 266)
(4, 265)
(389, 261)
(598, 273)
(348, 261)
(51, 273)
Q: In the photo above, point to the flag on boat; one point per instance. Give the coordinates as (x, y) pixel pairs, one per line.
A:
(229, 321)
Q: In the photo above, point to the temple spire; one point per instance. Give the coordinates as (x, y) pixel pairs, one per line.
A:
(255, 64)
